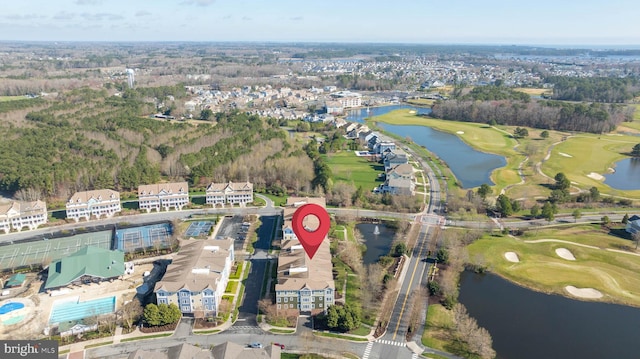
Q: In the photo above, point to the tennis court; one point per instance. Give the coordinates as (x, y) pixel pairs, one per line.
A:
(138, 238)
(198, 229)
(46, 251)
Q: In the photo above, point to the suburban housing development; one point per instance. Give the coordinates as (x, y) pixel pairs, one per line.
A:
(16, 215)
(229, 193)
(163, 196)
(303, 284)
(197, 277)
(97, 203)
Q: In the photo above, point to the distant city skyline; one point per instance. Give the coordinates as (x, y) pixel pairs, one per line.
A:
(610, 23)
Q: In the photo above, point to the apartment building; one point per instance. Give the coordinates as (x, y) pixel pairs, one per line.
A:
(229, 193)
(303, 284)
(16, 215)
(197, 277)
(97, 203)
(163, 196)
(347, 98)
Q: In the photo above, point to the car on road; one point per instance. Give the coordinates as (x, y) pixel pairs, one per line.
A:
(279, 345)
(256, 345)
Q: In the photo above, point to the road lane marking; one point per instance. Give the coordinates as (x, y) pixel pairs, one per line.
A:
(406, 296)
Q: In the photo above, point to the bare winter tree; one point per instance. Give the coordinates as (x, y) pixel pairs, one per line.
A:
(28, 195)
(478, 339)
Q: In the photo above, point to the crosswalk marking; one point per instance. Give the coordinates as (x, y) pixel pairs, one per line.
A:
(244, 327)
(367, 350)
(391, 342)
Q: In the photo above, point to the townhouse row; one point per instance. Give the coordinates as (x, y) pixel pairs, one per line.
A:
(104, 203)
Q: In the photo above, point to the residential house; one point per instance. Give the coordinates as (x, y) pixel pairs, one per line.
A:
(339, 122)
(16, 215)
(89, 264)
(633, 225)
(382, 146)
(392, 158)
(355, 133)
(93, 203)
(163, 196)
(229, 193)
(399, 180)
(197, 277)
(303, 284)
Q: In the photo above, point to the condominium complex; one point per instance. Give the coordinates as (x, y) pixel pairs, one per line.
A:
(163, 196)
(16, 215)
(230, 193)
(347, 98)
(197, 277)
(97, 203)
(304, 284)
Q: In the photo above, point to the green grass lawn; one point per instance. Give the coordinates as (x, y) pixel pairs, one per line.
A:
(232, 286)
(590, 153)
(436, 331)
(477, 135)
(347, 167)
(614, 274)
(277, 200)
(11, 98)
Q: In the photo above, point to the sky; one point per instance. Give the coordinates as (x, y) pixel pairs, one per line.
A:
(539, 22)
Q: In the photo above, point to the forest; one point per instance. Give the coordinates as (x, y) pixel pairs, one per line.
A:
(595, 89)
(88, 139)
(493, 104)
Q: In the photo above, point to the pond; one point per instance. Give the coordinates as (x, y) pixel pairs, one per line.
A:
(358, 115)
(626, 175)
(378, 241)
(529, 325)
(471, 168)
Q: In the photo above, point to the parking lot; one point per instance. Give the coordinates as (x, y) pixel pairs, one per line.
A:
(234, 227)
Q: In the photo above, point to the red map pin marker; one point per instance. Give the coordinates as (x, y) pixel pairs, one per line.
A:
(311, 240)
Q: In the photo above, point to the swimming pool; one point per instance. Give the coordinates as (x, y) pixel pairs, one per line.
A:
(14, 320)
(75, 310)
(9, 307)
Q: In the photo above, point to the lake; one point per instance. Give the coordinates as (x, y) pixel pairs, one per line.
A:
(471, 168)
(358, 115)
(377, 244)
(529, 325)
(626, 176)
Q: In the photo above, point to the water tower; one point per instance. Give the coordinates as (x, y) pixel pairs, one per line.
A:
(130, 77)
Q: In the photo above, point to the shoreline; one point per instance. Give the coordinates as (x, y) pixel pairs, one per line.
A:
(608, 299)
(492, 175)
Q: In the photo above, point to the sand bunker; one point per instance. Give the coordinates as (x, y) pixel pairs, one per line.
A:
(460, 132)
(564, 154)
(412, 112)
(565, 254)
(512, 257)
(596, 176)
(589, 293)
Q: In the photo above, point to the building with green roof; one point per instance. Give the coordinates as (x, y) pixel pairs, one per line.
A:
(89, 264)
(16, 280)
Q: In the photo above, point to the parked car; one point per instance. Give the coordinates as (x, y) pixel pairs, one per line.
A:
(279, 345)
(256, 345)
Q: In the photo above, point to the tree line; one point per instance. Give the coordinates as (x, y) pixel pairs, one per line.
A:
(86, 139)
(596, 89)
(552, 115)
